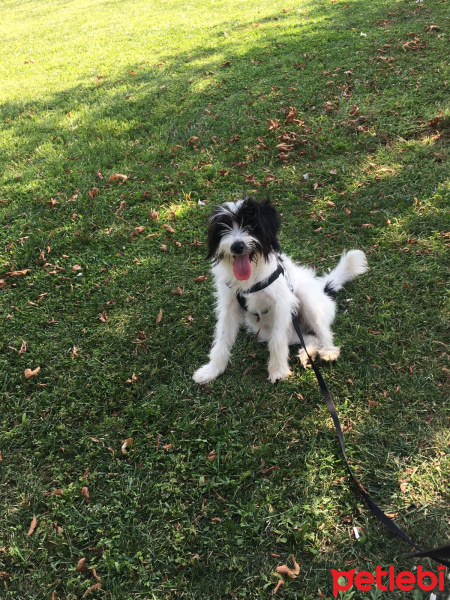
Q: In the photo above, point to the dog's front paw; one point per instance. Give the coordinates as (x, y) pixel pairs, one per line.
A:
(330, 353)
(206, 374)
(312, 351)
(280, 373)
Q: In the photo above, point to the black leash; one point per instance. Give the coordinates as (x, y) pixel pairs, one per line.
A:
(436, 554)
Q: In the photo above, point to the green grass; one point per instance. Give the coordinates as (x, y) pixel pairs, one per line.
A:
(177, 97)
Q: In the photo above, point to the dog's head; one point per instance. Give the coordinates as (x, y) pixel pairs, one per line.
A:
(241, 233)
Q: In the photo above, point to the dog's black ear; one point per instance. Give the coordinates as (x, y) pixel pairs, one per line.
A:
(264, 222)
(218, 222)
(270, 222)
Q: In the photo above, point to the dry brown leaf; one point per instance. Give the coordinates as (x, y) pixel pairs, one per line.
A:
(321, 594)
(153, 215)
(212, 456)
(127, 444)
(168, 228)
(201, 278)
(137, 230)
(118, 177)
(103, 316)
(23, 348)
(2, 284)
(279, 584)
(163, 247)
(159, 317)
(82, 567)
(292, 115)
(94, 587)
(284, 147)
(85, 493)
(57, 492)
(31, 373)
(133, 378)
(5, 574)
(17, 273)
(94, 192)
(32, 526)
(285, 570)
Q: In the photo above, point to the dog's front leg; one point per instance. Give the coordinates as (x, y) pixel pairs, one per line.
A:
(279, 346)
(230, 317)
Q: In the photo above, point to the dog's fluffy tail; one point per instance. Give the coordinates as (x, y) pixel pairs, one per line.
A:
(352, 264)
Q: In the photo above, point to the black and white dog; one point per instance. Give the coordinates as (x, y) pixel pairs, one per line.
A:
(258, 286)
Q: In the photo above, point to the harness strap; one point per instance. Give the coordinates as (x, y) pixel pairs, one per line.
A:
(260, 285)
(436, 554)
(257, 287)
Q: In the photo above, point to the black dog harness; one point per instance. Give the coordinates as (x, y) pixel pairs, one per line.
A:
(260, 285)
(436, 554)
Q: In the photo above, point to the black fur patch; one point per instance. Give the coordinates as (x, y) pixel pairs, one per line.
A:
(329, 291)
(260, 219)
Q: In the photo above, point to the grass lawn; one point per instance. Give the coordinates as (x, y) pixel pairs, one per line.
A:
(168, 489)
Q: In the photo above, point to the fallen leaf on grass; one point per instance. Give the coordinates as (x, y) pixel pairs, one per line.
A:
(118, 177)
(32, 526)
(103, 316)
(31, 373)
(273, 124)
(159, 317)
(212, 456)
(284, 147)
(279, 584)
(5, 574)
(168, 228)
(285, 570)
(321, 594)
(2, 284)
(127, 444)
(292, 115)
(137, 230)
(94, 192)
(94, 587)
(16, 273)
(85, 493)
(201, 278)
(82, 567)
(264, 471)
(163, 247)
(133, 378)
(436, 120)
(23, 348)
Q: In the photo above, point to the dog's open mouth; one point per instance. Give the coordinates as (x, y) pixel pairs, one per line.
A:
(242, 267)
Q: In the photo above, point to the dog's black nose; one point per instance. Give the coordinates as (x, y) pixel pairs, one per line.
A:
(237, 247)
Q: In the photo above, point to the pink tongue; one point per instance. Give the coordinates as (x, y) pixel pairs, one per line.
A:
(242, 267)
